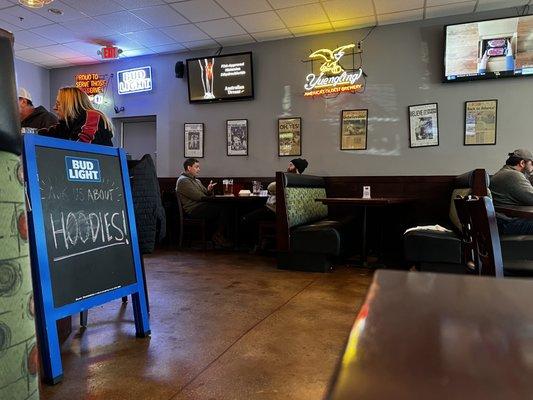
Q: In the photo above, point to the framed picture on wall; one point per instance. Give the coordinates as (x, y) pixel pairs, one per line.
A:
(237, 137)
(289, 137)
(480, 122)
(354, 127)
(423, 125)
(193, 136)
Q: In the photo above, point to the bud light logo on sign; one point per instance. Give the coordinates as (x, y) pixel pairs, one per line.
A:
(83, 169)
(134, 80)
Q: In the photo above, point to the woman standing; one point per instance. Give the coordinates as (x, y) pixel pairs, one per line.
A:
(79, 120)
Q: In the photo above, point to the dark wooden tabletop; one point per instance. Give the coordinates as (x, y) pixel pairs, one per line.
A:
(374, 201)
(516, 211)
(235, 199)
(439, 336)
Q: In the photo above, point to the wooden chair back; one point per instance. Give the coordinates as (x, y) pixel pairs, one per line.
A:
(478, 218)
(198, 223)
(180, 222)
(480, 183)
(467, 241)
(282, 221)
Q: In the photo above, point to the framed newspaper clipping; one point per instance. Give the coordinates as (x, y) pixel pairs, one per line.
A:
(354, 127)
(193, 145)
(289, 137)
(237, 137)
(423, 125)
(480, 122)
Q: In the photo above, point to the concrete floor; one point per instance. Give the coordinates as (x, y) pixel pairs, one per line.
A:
(224, 326)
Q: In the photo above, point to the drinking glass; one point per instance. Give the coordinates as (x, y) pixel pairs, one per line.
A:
(256, 187)
(227, 187)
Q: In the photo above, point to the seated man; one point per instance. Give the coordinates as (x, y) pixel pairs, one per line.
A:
(510, 186)
(268, 213)
(191, 191)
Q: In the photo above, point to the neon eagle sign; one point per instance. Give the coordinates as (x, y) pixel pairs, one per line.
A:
(333, 78)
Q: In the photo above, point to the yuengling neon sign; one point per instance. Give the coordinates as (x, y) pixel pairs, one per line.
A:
(333, 78)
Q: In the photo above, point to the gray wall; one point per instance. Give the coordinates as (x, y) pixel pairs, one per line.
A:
(404, 66)
(36, 80)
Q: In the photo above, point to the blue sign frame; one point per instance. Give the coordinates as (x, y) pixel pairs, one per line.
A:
(120, 79)
(46, 313)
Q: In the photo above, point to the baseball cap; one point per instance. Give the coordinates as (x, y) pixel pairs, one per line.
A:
(24, 94)
(522, 154)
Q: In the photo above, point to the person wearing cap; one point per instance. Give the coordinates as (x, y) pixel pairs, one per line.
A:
(296, 166)
(510, 186)
(33, 117)
(268, 213)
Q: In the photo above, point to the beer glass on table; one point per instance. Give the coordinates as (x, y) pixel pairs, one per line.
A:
(256, 188)
(227, 187)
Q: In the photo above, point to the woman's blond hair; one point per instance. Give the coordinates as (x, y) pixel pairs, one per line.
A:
(73, 101)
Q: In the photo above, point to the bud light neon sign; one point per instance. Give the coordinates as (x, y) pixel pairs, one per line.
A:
(134, 80)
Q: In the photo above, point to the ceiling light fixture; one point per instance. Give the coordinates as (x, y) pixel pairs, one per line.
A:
(55, 11)
(35, 3)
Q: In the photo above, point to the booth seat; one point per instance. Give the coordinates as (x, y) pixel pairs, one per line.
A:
(517, 254)
(440, 251)
(306, 238)
(446, 251)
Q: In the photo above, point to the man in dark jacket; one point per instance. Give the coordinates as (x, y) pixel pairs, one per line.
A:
(31, 117)
(191, 191)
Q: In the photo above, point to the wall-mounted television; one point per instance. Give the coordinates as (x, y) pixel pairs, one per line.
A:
(220, 78)
(489, 49)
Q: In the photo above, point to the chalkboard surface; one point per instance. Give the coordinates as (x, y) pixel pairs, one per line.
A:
(86, 223)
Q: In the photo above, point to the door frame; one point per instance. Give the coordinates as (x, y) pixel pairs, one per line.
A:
(143, 118)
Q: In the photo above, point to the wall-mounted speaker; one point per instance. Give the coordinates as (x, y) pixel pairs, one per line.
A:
(179, 69)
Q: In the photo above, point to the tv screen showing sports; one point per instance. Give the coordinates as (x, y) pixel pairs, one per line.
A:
(489, 49)
(220, 78)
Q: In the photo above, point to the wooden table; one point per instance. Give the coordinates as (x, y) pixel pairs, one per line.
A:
(439, 336)
(235, 199)
(365, 203)
(236, 202)
(525, 212)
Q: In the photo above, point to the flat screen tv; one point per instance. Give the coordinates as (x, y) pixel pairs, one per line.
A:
(220, 78)
(489, 49)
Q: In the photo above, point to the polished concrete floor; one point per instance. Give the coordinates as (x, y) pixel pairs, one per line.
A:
(224, 326)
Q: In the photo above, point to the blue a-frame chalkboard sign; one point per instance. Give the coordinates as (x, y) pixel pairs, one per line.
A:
(83, 238)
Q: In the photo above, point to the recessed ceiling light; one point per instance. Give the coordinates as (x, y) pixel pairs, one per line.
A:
(35, 3)
(55, 11)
